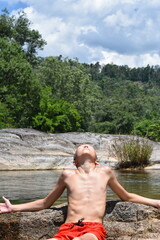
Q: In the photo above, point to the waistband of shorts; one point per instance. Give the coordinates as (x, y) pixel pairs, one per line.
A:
(85, 223)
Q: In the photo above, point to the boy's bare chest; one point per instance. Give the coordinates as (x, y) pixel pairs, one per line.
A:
(86, 184)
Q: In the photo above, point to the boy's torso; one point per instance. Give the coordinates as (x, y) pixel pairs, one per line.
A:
(86, 194)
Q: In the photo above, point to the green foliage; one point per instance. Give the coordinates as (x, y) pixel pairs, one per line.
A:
(148, 128)
(69, 81)
(132, 152)
(56, 115)
(6, 25)
(57, 94)
(5, 120)
(19, 88)
(18, 29)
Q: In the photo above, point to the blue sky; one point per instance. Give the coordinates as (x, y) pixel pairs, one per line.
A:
(123, 32)
(12, 5)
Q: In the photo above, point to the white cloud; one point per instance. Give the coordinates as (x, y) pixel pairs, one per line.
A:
(58, 33)
(126, 31)
(155, 3)
(120, 19)
(131, 60)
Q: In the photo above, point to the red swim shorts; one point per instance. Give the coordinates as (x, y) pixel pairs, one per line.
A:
(68, 231)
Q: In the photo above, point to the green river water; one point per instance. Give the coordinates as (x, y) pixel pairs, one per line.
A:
(24, 186)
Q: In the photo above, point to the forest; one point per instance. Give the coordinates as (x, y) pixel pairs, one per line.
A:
(56, 94)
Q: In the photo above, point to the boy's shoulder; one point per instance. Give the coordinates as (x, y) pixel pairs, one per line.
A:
(68, 172)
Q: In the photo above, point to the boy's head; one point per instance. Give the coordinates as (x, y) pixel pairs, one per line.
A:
(85, 152)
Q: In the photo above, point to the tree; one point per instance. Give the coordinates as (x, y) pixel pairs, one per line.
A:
(93, 70)
(17, 28)
(56, 115)
(5, 120)
(19, 88)
(69, 81)
(148, 128)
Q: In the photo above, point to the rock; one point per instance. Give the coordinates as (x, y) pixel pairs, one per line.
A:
(28, 149)
(131, 221)
(154, 167)
(122, 220)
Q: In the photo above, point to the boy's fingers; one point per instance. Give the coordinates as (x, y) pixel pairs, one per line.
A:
(6, 200)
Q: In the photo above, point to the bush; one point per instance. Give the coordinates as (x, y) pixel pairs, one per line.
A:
(133, 152)
(149, 129)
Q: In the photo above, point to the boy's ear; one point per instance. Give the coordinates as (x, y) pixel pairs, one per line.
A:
(97, 162)
(74, 163)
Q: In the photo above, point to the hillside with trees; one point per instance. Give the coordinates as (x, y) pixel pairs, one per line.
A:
(56, 94)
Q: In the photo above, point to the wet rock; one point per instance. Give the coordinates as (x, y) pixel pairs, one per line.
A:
(123, 221)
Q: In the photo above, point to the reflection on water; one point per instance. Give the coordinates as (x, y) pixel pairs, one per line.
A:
(22, 186)
(145, 183)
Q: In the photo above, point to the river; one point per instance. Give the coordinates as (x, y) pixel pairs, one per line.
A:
(24, 186)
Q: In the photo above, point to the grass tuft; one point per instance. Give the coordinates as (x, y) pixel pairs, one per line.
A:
(134, 152)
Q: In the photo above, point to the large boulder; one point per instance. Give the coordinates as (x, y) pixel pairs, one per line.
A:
(123, 221)
(28, 149)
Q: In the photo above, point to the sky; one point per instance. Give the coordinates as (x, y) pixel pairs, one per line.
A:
(122, 32)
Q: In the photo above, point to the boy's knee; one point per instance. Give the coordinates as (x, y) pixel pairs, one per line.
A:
(86, 236)
(52, 239)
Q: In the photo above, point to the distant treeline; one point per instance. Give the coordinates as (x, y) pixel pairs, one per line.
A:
(56, 94)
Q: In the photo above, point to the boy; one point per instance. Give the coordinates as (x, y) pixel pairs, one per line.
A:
(86, 188)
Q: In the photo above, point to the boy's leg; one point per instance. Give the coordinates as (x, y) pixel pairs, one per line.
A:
(86, 236)
(52, 239)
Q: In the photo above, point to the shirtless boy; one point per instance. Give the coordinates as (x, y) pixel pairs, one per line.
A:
(86, 187)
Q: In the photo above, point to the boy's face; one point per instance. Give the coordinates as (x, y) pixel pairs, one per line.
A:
(85, 151)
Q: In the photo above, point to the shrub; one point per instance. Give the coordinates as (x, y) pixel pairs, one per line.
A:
(149, 129)
(133, 152)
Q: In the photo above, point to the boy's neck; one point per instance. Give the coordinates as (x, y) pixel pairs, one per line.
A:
(86, 167)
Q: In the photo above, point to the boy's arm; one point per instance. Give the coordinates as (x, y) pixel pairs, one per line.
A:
(38, 204)
(129, 197)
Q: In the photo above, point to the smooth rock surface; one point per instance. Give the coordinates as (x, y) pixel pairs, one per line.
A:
(28, 149)
(123, 221)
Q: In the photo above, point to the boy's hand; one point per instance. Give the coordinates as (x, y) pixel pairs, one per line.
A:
(6, 207)
(157, 203)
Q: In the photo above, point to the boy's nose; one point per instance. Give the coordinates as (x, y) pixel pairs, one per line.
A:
(85, 146)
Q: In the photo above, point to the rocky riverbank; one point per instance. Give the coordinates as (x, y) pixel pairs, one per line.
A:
(28, 149)
(123, 221)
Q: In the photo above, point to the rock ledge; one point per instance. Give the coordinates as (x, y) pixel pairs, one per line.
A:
(123, 221)
(29, 149)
